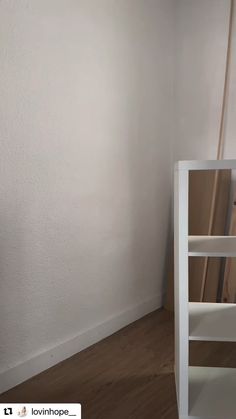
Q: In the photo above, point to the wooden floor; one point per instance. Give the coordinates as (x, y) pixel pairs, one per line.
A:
(128, 375)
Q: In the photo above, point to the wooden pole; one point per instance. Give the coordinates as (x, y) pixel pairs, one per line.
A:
(220, 148)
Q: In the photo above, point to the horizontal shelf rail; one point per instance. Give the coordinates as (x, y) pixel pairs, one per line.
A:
(212, 246)
(212, 322)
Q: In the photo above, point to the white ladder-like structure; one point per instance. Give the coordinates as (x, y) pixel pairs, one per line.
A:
(202, 392)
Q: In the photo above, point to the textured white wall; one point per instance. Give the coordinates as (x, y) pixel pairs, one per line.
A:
(201, 43)
(86, 122)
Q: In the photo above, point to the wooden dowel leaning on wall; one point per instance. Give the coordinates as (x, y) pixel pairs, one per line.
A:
(205, 272)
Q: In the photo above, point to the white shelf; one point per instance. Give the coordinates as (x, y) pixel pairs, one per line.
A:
(212, 322)
(212, 246)
(202, 392)
(212, 393)
(205, 165)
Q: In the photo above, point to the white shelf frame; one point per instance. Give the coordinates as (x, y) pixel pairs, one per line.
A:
(204, 321)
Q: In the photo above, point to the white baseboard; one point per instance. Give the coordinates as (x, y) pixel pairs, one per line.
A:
(16, 375)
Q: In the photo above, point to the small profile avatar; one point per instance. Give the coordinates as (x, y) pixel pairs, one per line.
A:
(22, 412)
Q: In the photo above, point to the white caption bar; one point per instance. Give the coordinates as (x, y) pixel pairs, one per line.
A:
(40, 410)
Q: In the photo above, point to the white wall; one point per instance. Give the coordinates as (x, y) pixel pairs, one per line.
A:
(201, 44)
(86, 108)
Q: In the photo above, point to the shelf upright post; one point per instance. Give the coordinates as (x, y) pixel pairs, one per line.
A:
(181, 289)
